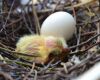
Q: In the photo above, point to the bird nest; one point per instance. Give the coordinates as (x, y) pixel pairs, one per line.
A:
(84, 45)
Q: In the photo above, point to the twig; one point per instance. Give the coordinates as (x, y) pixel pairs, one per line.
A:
(16, 21)
(88, 33)
(36, 19)
(6, 46)
(98, 24)
(74, 13)
(56, 6)
(26, 77)
(94, 21)
(46, 67)
(35, 76)
(17, 62)
(65, 67)
(5, 76)
(82, 51)
(83, 62)
(24, 18)
(79, 37)
(8, 16)
(81, 44)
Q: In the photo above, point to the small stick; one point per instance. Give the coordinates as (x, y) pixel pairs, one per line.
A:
(87, 41)
(26, 77)
(36, 19)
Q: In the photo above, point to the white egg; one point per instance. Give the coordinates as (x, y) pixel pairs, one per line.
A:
(59, 24)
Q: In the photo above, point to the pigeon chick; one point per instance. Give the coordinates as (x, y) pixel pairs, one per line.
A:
(41, 45)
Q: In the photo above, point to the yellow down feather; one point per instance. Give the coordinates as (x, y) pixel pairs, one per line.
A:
(33, 44)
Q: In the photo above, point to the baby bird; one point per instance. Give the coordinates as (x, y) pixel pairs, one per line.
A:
(42, 45)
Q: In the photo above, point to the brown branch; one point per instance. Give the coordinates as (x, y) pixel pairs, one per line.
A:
(83, 43)
(36, 19)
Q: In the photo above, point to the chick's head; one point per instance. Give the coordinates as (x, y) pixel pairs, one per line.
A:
(41, 45)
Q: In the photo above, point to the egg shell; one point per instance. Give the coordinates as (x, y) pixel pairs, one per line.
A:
(59, 24)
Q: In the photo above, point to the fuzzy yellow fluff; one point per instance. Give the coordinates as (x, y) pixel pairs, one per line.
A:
(33, 44)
